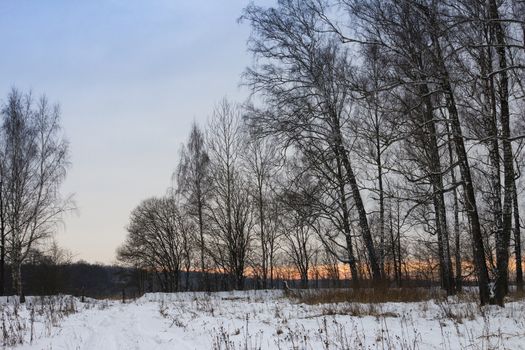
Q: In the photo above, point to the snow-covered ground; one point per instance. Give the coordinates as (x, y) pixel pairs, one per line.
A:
(257, 320)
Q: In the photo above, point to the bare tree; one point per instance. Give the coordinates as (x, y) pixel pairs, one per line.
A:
(262, 161)
(300, 75)
(412, 36)
(503, 239)
(301, 222)
(300, 244)
(230, 206)
(3, 218)
(35, 165)
(193, 180)
(157, 240)
(376, 127)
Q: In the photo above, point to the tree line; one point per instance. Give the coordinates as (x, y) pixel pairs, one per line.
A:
(386, 136)
(52, 271)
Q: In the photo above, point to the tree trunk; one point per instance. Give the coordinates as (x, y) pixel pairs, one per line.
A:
(205, 283)
(468, 187)
(470, 200)
(517, 241)
(271, 269)
(187, 278)
(358, 201)
(2, 240)
(264, 253)
(503, 241)
(455, 208)
(239, 282)
(17, 277)
(436, 178)
(304, 280)
(397, 275)
(398, 241)
(346, 223)
(381, 204)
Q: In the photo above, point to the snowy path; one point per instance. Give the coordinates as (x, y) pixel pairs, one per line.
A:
(128, 326)
(113, 331)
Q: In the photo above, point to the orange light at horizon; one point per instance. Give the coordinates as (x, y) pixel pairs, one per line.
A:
(413, 268)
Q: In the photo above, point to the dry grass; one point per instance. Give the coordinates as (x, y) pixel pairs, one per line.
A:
(516, 295)
(356, 310)
(365, 295)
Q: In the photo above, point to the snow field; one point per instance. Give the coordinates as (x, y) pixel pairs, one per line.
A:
(258, 320)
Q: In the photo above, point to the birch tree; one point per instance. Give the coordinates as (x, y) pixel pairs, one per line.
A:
(193, 182)
(230, 207)
(299, 74)
(35, 165)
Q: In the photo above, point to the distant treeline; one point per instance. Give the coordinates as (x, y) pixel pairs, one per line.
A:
(93, 280)
(102, 281)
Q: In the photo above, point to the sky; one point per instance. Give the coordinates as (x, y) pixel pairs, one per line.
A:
(130, 77)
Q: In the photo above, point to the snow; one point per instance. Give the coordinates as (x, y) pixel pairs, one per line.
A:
(258, 320)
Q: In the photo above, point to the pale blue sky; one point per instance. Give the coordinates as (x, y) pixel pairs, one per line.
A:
(130, 76)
